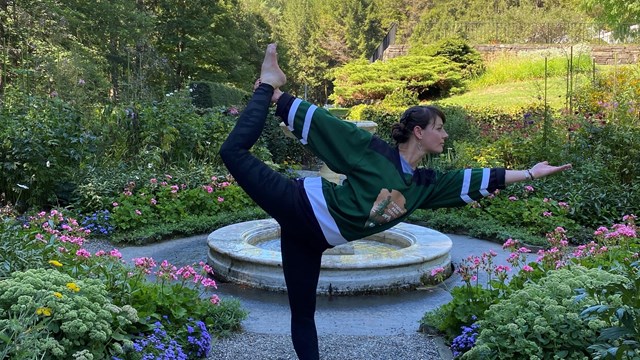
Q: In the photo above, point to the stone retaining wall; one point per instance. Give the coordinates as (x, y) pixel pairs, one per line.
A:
(602, 54)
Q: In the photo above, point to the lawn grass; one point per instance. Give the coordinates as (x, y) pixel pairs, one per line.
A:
(514, 81)
(519, 93)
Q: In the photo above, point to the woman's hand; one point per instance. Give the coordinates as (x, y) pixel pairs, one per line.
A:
(543, 169)
(276, 92)
(539, 170)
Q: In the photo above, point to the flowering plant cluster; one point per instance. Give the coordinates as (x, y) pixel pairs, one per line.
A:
(163, 200)
(79, 314)
(99, 223)
(192, 341)
(466, 340)
(524, 208)
(73, 283)
(488, 285)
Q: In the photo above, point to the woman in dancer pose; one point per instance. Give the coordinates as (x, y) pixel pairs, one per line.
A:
(383, 184)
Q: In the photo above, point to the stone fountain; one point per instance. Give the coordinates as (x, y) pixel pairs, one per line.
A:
(402, 257)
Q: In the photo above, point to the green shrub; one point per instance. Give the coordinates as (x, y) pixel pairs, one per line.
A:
(284, 149)
(172, 132)
(621, 338)
(523, 206)
(187, 226)
(456, 50)
(400, 97)
(20, 330)
(206, 94)
(80, 314)
(542, 320)
(18, 252)
(460, 221)
(427, 76)
(44, 142)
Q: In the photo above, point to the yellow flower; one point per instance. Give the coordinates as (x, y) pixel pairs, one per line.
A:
(55, 263)
(57, 294)
(43, 311)
(73, 287)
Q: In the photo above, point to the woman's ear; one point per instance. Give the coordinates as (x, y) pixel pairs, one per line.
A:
(417, 131)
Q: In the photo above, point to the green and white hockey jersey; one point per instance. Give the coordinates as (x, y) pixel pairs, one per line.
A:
(376, 194)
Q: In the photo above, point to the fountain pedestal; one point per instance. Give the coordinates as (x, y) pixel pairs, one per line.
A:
(402, 257)
(325, 172)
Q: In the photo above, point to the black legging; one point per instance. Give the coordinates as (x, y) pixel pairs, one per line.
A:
(302, 242)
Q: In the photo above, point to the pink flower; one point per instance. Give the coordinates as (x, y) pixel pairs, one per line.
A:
(174, 188)
(437, 271)
(529, 188)
(208, 189)
(220, 199)
(153, 201)
(524, 250)
(547, 213)
(100, 253)
(208, 269)
(138, 212)
(527, 268)
(513, 198)
(215, 299)
(168, 176)
(206, 282)
(233, 111)
(509, 243)
(83, 253)
(186, 272)
(115, 253)
(115, 204)
(145, 264)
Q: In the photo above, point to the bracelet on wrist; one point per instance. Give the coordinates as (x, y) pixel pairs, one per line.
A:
(528, 175)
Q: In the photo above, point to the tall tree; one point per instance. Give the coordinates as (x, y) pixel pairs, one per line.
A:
(614, 13)
(111, 29)
(208, 40)
(31, 33)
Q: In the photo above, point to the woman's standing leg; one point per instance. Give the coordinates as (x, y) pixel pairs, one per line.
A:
(301, 265)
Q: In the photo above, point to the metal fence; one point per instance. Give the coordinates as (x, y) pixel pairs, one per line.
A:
(389, 39)
(489, 32)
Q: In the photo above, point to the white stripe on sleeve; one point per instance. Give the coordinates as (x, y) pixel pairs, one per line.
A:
(307, 123)
(466, 183)
(292, 113)
(486, 175)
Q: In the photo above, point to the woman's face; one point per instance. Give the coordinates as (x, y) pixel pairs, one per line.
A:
(433, 137)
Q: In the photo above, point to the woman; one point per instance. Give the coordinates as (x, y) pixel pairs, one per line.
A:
(383, 184)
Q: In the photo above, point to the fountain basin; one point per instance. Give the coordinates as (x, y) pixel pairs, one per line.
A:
(402, 257)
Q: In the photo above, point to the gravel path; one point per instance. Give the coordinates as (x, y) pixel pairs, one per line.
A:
(250, 346)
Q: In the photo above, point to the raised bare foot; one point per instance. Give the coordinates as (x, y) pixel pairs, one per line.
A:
(271, 73)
